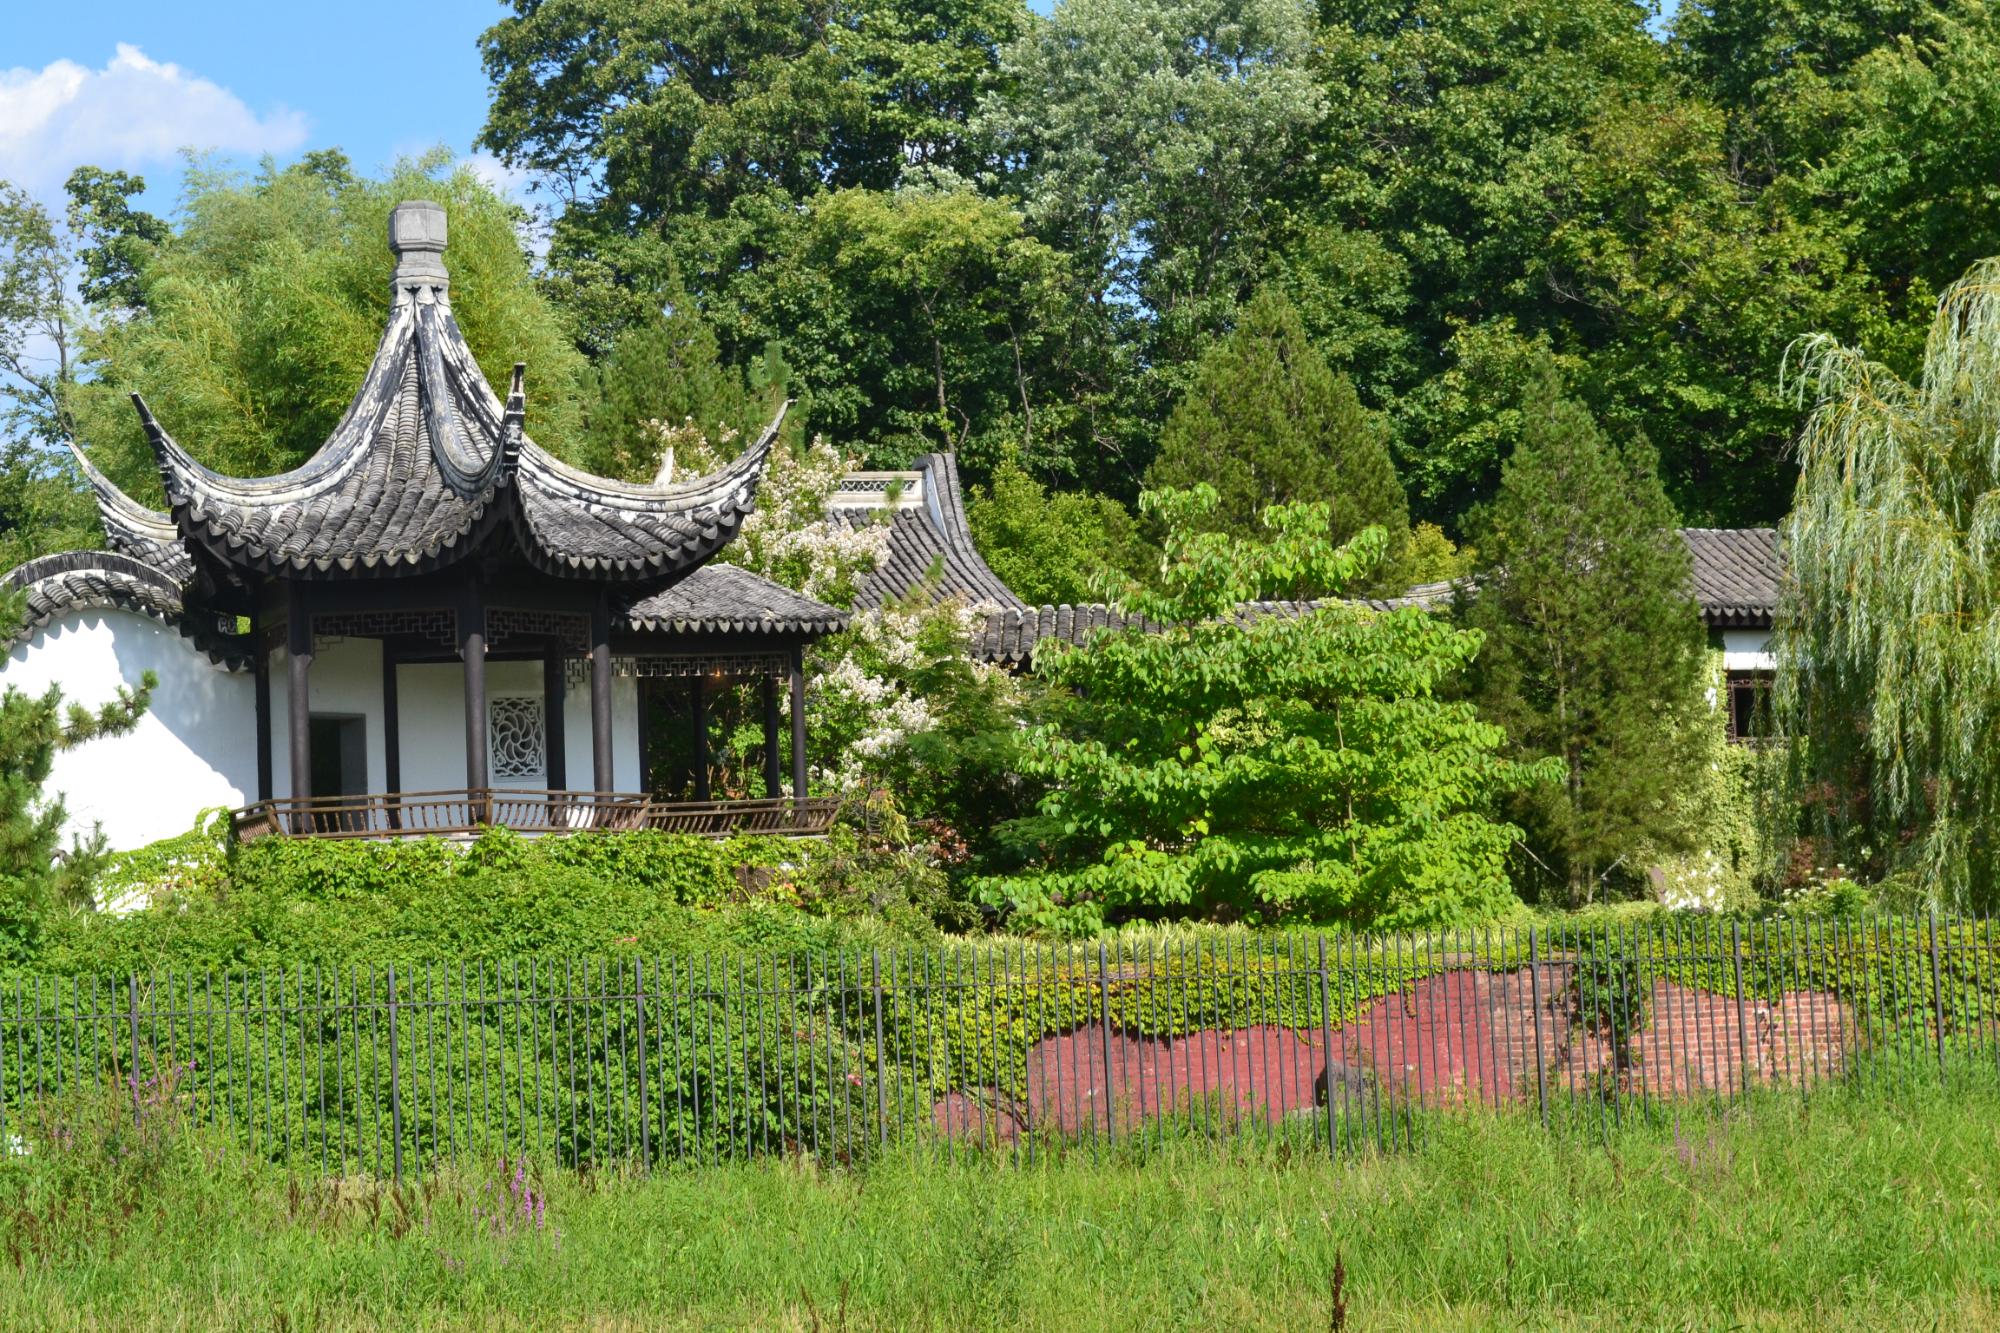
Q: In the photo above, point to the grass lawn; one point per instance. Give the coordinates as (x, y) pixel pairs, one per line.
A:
(1864, 1210)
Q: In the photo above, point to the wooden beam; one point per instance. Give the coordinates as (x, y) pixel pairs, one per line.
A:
(472, 652)
(773, 765)
(298, 685)
(392, 733)
(260, 666)
(600, 694)
(556, 766)
(798, 724)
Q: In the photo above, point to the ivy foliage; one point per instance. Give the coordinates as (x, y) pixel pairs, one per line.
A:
(1280, 767)
(203, 904)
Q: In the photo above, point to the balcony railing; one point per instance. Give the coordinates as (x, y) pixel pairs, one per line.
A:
(447, 813)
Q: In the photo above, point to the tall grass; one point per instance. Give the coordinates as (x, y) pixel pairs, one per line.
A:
(1865, 1208)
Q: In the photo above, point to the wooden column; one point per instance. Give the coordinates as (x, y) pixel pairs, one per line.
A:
(642, 698)
(260, 667)
(798, 724)
(773, 765)
(472, 652)
(392, 734)
(698, 708)
(601, 773)
(556, 768)
(298, 688)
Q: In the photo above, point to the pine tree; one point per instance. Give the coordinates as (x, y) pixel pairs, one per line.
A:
(1595, 652)
(668, 370)
(1267, 421)
(36, 871)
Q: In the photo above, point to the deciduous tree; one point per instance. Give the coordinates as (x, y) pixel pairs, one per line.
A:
(1289, 768)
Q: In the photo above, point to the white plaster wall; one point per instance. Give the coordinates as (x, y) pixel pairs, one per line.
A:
(1747, 650)
(431, 700)
(345, 680)
(195, 748)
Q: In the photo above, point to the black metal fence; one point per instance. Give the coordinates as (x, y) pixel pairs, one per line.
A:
(1340, 1039)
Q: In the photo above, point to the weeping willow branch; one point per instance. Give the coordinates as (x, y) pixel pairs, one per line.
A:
(1888, 638)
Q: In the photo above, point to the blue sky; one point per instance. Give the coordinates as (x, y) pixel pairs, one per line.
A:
(123, 84)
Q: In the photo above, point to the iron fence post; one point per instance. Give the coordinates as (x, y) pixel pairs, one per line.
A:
(1742, 1020)
(395, 1092)
(132, 1017)
(1535, 1004)
(645, 1106)
(1326, 1047)
(1104, 1039)
(881, 1054)
(1937, 992)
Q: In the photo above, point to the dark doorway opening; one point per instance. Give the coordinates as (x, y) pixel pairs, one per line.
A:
(339, 756)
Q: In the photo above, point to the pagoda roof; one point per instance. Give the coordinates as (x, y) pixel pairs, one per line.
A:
(426, 463)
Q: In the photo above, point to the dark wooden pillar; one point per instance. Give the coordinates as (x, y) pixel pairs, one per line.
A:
(642, 707)
(472, 652)
(601, 773)
(556, 767)
(260, 667)
(798, 724)
(698, 708)
(773, 765)
(392, 734)
(298, 687)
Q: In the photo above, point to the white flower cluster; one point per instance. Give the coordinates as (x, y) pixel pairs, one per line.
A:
(862, 707)
(1695, 884)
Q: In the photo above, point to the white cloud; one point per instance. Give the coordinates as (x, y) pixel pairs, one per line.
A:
(505, 181)
(134, 113)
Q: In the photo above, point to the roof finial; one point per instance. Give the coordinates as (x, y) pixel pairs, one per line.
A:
(416, 235)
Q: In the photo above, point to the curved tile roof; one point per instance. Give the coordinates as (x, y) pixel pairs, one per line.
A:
(727, 599)
(427, 460)
(1736, 575)
(930, 549)
(72, 581)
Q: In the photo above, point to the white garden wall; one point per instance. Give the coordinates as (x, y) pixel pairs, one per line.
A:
(195, 748)
(1747, 650)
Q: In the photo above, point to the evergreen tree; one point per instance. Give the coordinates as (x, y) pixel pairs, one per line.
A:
(1054, 548)
(1268, 422)
(668, 370)
(36, 871)
(1594, 652)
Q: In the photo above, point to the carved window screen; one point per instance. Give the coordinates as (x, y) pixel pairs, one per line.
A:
(517, 737)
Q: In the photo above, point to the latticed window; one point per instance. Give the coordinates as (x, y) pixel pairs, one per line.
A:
(1750, 706)
(516, 737)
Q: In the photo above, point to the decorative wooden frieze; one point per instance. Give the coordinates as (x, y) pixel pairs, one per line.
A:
(508, 627)
(437, 626)
(686, 666)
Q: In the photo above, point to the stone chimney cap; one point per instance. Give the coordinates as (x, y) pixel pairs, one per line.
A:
(416, 236)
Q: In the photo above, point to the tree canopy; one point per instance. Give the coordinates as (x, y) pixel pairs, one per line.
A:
(1887, 640)
(1293, 767)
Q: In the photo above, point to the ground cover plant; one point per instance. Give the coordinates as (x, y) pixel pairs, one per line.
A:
(1862, 1207)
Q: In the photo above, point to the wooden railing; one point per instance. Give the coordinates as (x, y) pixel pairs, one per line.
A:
(466, 811)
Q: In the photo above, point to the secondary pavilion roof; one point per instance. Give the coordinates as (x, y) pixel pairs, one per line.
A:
(930, 546)
(428, 461)
(930, 550)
